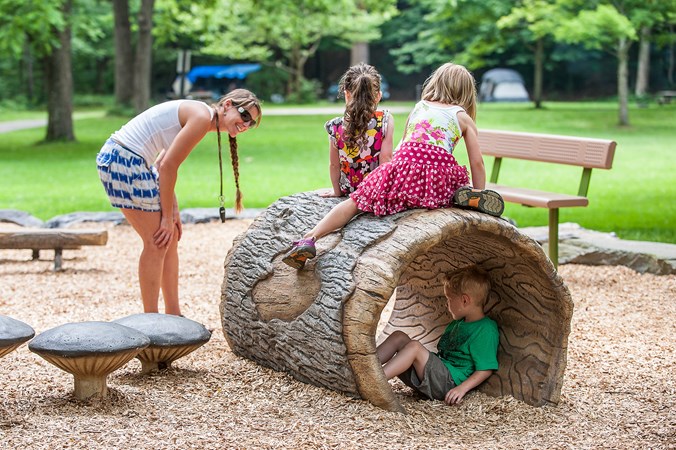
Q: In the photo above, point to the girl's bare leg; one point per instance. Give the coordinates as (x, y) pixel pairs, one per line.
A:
(170, 278)
(151, 261)
(337, 218)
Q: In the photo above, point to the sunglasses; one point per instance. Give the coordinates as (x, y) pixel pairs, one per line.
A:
(246, 116)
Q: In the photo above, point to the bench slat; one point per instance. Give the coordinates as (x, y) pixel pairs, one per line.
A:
(583, 152)
(51, 238)
(535, 198)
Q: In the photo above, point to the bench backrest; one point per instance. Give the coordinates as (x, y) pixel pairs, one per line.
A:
(583, 152)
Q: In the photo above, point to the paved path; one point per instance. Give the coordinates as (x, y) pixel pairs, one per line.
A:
(16, 125)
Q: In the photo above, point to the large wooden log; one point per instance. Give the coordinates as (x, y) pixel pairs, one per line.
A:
(319, 323)
(51, 238)
(47, 238)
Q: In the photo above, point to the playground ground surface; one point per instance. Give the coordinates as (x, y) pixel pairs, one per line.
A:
(619, 389)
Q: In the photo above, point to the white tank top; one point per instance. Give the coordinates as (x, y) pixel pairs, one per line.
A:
(153, 130)
(433, 124)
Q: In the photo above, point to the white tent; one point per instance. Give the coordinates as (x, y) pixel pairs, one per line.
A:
(502, 85)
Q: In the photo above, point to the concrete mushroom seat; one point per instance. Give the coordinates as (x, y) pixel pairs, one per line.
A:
(89, 351)
(171, 337)
(319, 324)
(13, 333)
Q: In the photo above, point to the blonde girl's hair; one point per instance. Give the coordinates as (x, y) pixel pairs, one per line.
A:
(470, 280)
(452, 84)
(246, 99)
(362, 81)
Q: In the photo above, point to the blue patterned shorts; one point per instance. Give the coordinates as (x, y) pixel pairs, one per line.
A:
(128, 181)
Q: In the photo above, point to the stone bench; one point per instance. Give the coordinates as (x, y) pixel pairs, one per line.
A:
(319, 324)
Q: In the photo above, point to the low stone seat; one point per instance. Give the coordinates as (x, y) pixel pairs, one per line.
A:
(89, 351)
(171, 337)
(13, 333)
(319, 323)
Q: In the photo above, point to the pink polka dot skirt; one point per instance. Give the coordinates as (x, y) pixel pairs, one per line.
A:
(419, 176)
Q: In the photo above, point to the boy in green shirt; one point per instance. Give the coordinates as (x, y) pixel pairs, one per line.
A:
(467, 351)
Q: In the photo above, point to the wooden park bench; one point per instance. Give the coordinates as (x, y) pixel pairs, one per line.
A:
(576, 151)
(38, 239)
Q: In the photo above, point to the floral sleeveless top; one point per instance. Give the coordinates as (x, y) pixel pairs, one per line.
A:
(356, 163)
(433, 124)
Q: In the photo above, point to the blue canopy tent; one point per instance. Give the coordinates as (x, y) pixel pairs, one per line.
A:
(210, 82)
(233, 71)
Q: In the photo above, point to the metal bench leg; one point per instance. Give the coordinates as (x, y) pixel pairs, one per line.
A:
(58, 260)
(554, 236)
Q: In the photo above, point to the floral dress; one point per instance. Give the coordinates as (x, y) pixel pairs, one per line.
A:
(356, 163)
(423, 172)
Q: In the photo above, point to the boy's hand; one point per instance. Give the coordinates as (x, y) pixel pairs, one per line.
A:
(455, 395)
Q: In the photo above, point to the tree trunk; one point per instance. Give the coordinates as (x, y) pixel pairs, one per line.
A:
(643, 69)
(623, 80)
(124, 54)
(539, 61)
(359, 53)
(144, 56)
(319, 324)
(671, 64)
(28, 67)
(59, 84)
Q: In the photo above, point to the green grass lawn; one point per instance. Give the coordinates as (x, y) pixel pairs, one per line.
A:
(289, 154)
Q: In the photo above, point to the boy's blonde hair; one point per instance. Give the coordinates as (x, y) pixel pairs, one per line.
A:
(452, 84)
(470, 280)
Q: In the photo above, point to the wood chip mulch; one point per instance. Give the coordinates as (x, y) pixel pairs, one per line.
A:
(619, 389)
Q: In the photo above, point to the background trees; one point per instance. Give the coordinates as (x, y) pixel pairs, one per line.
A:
(129, 47)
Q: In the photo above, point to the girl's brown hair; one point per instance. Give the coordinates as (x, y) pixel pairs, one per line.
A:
(246, 99)
(363, 83)
(452, 84)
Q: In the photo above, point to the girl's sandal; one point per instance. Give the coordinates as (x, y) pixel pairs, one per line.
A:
(486, 201)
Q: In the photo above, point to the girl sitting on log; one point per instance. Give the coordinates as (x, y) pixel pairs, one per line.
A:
(361, 139)
(423, 172)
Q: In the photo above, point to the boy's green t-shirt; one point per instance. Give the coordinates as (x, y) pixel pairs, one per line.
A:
(466, 347)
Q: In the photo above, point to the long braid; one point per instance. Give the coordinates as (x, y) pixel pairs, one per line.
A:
(235, 170)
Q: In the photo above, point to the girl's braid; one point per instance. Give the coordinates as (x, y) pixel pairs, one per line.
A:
(235, 170)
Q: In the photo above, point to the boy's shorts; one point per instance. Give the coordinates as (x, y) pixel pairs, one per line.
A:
(127, 179)
(437, 380)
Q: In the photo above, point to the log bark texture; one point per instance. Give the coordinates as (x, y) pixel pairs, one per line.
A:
(319, 323)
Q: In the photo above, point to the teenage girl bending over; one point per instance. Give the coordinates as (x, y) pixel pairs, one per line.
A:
(423, 172)
(138, 166)
(361, 139)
